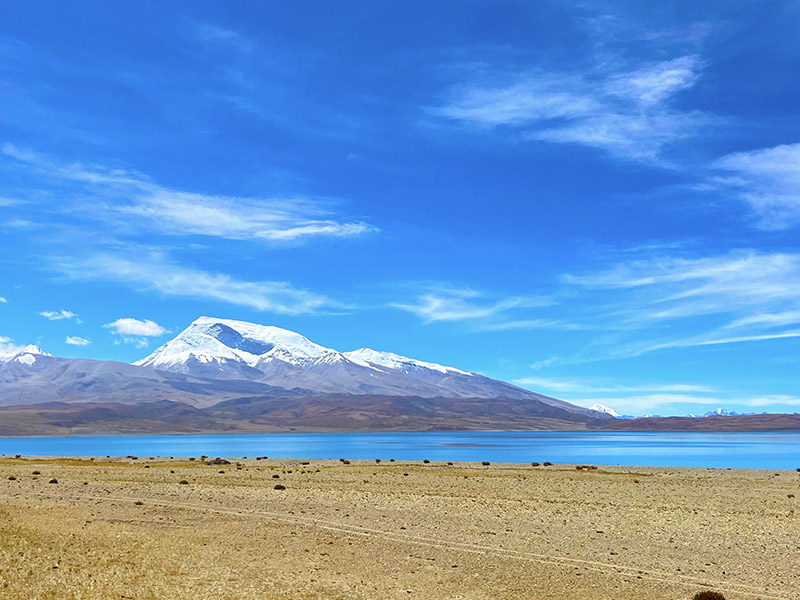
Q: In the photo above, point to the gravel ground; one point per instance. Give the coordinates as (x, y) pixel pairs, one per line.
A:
(124, 528)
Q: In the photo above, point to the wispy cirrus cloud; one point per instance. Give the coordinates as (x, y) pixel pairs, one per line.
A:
(129, 200)
(155, 272)
(594, 386)
(626, 112)
(740, 297)
(767, 180)
(74, 340)
(462, 304)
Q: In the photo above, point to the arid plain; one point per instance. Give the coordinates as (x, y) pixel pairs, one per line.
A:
(174, 528)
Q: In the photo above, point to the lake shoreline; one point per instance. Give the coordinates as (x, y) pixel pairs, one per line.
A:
(762, 450)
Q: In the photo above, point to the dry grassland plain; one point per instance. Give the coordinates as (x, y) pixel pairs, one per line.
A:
(124, 528)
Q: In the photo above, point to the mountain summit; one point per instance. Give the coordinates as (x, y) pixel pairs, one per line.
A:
(229, 349)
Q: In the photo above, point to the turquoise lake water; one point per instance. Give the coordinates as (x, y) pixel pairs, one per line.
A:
(762, 450)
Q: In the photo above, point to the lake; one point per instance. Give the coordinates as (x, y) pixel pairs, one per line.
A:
(757, 450)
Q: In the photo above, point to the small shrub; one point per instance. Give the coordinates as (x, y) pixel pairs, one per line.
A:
(20, 456)
(53, 481)
(276, 476)
(138, 503)
(302, 463)
(547, 464)
(191, 458)
(346, 462)
(708, 595)
(377, 461)
(449, 464)
(486, 463)
(279, 487)
(405, 474)
(426, 461)
(220, 471)
(535, 464)
(35, 473)
(183, 482)
(11, 478)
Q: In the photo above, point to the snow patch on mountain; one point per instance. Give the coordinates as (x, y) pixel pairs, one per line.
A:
(371, 358)
(606, 410)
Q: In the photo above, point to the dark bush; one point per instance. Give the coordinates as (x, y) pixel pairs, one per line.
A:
(486, 463)
(708, 595)
(53, 481)
(426, 461)
(183, 482)
(534, 464)
(547, 464)
(280, 487)
(11, 478)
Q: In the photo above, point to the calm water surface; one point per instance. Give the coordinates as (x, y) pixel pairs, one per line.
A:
(770, 450)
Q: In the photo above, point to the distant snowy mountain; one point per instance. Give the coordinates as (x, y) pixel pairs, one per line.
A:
(602, 408)
(238, 350)
(725, 413)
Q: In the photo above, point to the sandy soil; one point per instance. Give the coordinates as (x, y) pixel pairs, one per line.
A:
(122, 528)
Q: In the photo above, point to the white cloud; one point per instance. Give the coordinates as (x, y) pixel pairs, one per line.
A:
(154, 272)
(129, 326)
(740, 297)
(768, 180)
(453, 304)
(3, 300)
(8, 348)
(681, 287)
(584, 386)
(129, 200)
(74, 340)
(626, 113)
(58, 315)
(270, 219)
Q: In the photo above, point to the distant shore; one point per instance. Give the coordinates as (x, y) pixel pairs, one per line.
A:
(301, 528)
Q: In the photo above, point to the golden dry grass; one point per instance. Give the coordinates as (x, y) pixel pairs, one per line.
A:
(122, 528)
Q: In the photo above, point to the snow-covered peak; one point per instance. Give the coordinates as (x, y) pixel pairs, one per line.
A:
(25, 354)
(606, 410)
(369, 358)
(208, 340)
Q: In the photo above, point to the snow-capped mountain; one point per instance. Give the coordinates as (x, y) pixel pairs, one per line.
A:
(228, 349)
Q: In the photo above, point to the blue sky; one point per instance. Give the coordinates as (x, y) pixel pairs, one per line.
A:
(597, 201)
